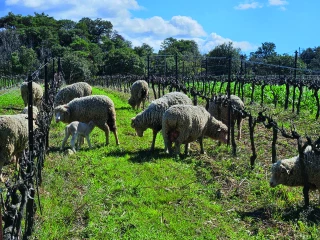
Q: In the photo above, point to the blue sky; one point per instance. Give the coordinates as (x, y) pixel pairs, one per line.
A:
(290, 24)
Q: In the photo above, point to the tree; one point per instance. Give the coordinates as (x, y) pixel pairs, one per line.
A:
(311, 56)
(144, 50)
(24, 60)
(219, 56)
(264, 52)
(124, 61)
(94, 30)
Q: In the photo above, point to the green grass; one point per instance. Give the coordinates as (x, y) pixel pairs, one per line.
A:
(126, 192)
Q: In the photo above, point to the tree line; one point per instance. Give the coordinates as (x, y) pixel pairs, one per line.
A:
(92, 47)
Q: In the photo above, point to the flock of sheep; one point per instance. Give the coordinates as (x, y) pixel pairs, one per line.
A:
(173, 114)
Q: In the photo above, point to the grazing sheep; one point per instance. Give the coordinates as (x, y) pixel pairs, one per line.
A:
(78, 130)
(14, 137)
(288, 171)
(152, 116)
(72, 91)
(37, 93)
(183, 124)
(139, 93)
(98, 108)
(218, 108)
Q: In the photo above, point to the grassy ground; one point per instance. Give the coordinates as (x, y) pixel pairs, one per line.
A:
(126, 192)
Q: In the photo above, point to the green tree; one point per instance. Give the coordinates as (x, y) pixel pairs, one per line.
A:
(124, 61)
(144, 50)
(218, 59)
(94, 30)
(24, 60)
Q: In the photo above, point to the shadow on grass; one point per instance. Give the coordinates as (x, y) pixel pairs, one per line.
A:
(310, 214)
(147, 156)
(307, 214)
(123, 108)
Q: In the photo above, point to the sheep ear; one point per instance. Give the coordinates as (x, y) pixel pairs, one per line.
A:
(284, 169)
(219, 130)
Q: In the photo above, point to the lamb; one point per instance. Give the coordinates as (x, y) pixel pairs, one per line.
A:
(288, 171)
(152, 116)
(183, 124)
(139, 93)
(70, 92)
(77, 130)
(98, 108)
(37, 93)
(218, 108)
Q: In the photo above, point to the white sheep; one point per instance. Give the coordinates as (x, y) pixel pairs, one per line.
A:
(218, 107)
(182, 124)
(288, 171)
(98, 108)
(72, 91)
(37, 93)
(78, 131)
(14, 137)
(152, 116)
(139, 94)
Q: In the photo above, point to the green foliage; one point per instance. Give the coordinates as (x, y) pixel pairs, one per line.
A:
(75, 67)
(218, 59)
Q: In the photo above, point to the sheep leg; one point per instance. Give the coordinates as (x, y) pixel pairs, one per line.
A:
(73, 139)
(167, 144)
(79, 142)
(155, 132)
(116, 137)
(67, 134)
(239, 125)
(201, 145)
(88, 141)
(186, 149)
(177, 149)
(106, 130)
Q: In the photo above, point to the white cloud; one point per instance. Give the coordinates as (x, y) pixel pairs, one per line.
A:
(157, 26)
(277, 2)
(245, 6)
(214, 40)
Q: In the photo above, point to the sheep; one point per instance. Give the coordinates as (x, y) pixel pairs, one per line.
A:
(35, 111)
(37, 93)
(139, 93)
(70, 92)
(218, 108)
(77, 130)
(183, 124)
(152, 116)
(98, 108)
(14, 137)
(288, 171)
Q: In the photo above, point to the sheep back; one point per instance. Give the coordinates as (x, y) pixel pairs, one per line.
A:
(70, 92)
